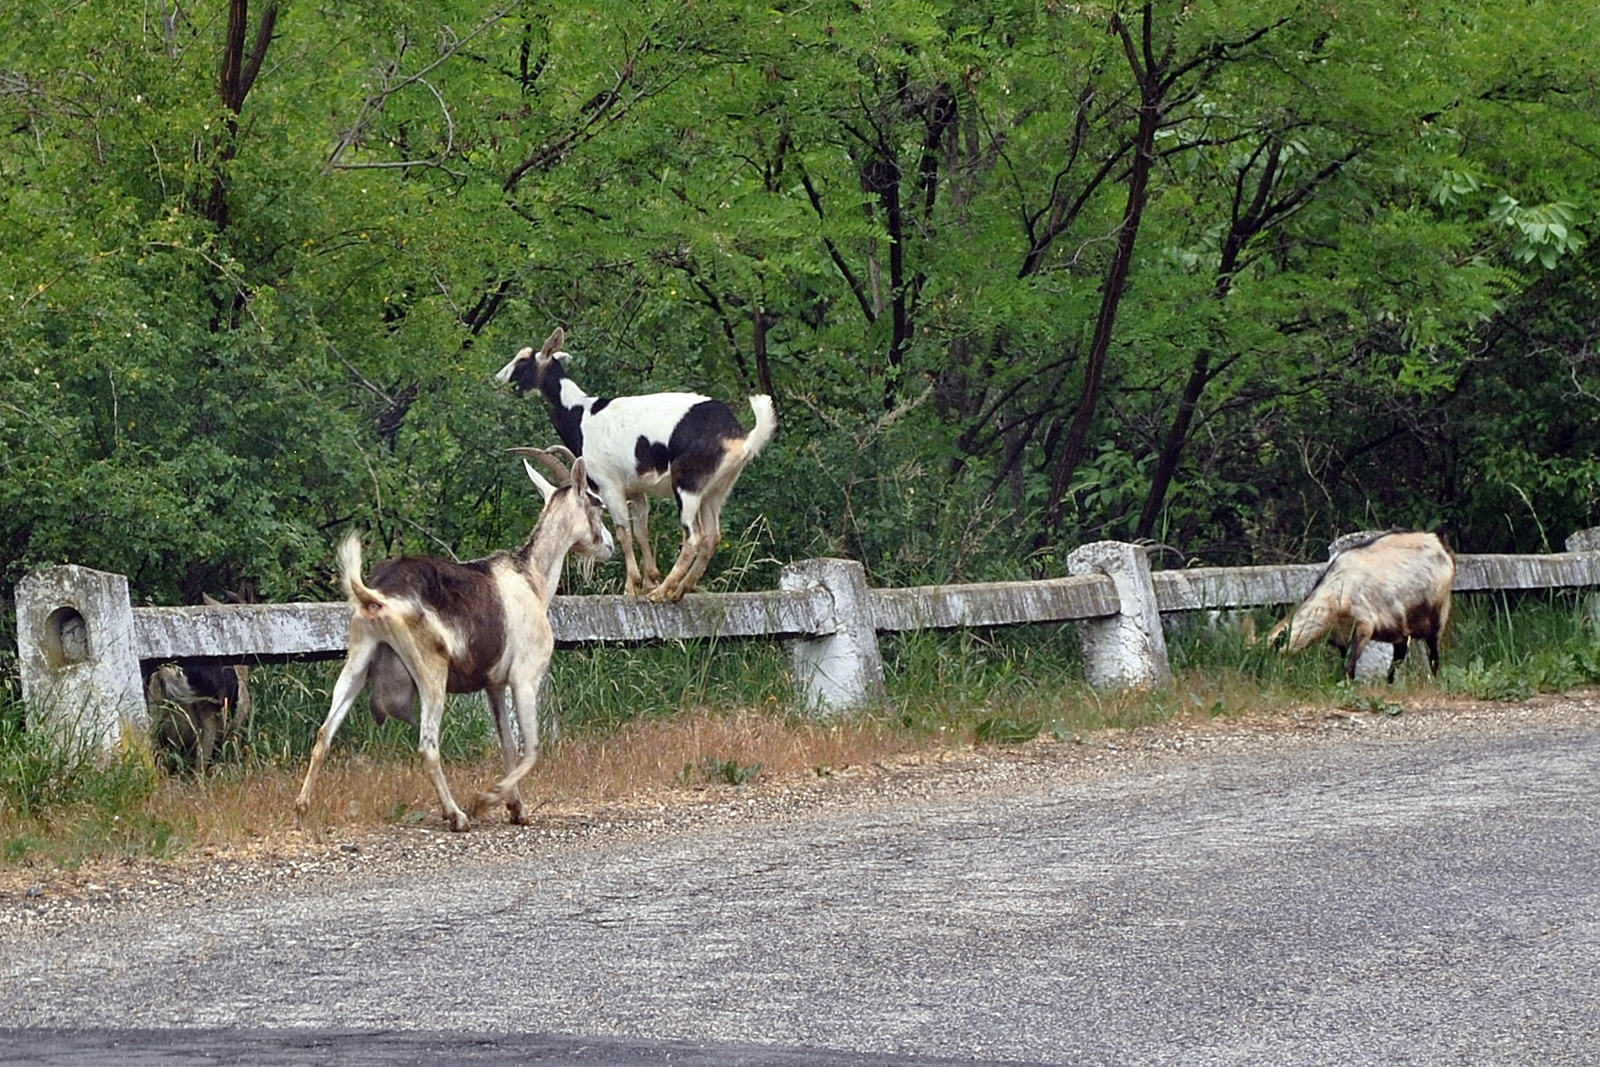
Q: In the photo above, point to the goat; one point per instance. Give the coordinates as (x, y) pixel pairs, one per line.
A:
(433, 626)
(197, 707)
(679, 444)
(1379, 586)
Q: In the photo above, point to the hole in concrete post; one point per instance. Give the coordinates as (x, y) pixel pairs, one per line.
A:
(66, 638)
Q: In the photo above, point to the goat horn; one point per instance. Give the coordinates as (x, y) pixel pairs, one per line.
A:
(559, 469)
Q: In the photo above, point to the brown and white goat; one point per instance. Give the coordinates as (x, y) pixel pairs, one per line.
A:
(1391, 586)
(432, 626)
(663, 444)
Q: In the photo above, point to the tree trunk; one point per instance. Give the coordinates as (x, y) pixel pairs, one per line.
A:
(1148, 75)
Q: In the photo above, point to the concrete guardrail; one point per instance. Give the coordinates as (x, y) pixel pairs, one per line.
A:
(82, 642)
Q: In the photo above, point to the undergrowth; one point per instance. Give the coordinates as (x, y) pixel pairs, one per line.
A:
(624, 721)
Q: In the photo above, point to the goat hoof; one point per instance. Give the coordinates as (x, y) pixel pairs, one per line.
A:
(484, 801)
(458, 822)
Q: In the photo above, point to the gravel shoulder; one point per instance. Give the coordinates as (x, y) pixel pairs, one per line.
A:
(35, 899)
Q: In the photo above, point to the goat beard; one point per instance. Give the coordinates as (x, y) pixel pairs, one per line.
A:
(585, 568)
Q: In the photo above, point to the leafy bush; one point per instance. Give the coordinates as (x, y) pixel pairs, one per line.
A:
(40, 771)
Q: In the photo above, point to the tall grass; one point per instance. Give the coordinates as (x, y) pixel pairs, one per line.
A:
(625, 720)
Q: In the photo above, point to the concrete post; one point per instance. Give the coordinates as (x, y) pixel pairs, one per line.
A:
(1587, 540)
(1127, 649)
(842, 670)
(1584, 540)
(80, 672)
(1377, 658)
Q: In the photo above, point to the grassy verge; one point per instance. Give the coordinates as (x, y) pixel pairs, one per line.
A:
(644, 721)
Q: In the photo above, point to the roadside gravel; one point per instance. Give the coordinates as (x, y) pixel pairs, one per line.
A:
(46, 899)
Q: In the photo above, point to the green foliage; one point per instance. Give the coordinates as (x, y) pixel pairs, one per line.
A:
(1364, 270)
(1003, 731)
(40, 772)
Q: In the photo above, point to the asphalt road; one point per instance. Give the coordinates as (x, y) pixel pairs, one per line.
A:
(1360, 901)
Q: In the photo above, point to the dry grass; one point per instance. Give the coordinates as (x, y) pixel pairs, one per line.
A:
(638, 760)
(360, 791)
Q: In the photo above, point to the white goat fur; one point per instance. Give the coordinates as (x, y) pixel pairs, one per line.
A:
(661, 444)
(484, 625)
(1393, 587)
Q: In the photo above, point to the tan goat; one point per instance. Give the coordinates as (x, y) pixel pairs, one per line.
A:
(1391, 587)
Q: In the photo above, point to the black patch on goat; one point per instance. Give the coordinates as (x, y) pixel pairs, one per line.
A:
(569, 426)
(599, 405)
(213, 683)
(699, 442)
(528, 377)
(525, 375)
(651, 455)
(462, 594)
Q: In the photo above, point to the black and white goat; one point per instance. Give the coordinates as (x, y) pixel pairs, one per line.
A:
(1379, 586)
(431, 626)
(662, 444)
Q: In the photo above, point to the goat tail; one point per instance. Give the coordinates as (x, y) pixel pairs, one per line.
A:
(766, 426)
(368, 602)
(350, 563)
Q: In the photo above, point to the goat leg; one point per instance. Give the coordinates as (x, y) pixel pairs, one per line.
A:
(620, 519)
(710, 538)
(671, 586)
(508, 749)
(1360, 637)
(1401, 647)
(345, 690)
(432, 689)
(639, 508)
(210, 728)
(525, 695)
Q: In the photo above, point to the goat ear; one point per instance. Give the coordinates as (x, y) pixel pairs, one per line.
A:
(546, 490)
(580, 476)
(552, 345)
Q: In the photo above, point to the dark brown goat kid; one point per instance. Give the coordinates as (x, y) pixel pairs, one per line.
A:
(197, 708)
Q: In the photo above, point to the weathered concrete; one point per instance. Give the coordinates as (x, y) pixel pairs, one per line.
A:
(933, 607)
(778, 612)
(1558, 570)
(841, 667)
(1128, 648)
(1203, 588)
(231, 630)
(81, 642)
(1584, 540)
(77, 656)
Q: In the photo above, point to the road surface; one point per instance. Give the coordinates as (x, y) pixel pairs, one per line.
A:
(1406, 896)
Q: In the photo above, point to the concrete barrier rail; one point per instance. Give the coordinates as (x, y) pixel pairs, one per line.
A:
(81, 642)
